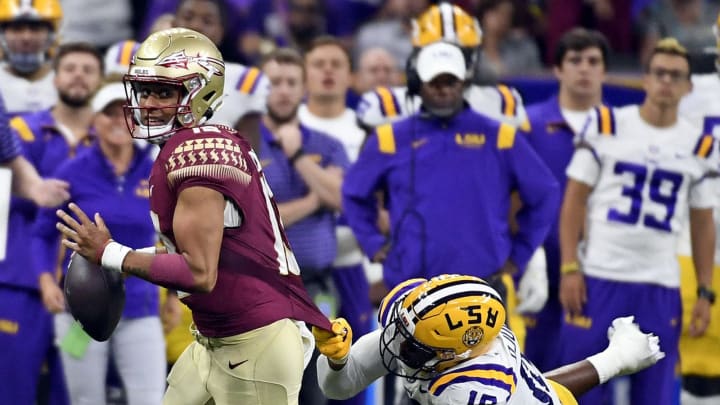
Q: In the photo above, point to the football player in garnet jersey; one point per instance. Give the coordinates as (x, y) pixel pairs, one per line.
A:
(227, 254)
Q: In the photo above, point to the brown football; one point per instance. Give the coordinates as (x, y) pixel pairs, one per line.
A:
(96, 297)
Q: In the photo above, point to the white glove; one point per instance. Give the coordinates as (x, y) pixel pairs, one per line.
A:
(629, 351)
(533, 287)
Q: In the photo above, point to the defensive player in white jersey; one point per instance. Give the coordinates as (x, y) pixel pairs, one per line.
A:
(630, 190)
(442, 22)
(446, 338)
(28, 31)
(700, 366)
(246, 88)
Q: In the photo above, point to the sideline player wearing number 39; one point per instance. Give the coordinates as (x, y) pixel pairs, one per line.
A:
(632, 187)
(227, 254)
(446, 337)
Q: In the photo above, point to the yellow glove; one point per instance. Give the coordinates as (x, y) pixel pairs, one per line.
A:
(334, 345)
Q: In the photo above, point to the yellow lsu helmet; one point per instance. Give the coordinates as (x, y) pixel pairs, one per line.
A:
(178, 57)
(440, 323)
(446, 22)
(31, 10)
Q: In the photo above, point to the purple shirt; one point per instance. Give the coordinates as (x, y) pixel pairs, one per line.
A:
(9, 144)
(313, 237)
(251, 290)
(45, 148)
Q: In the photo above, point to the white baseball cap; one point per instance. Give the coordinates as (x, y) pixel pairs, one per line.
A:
(438, 58)
(108, 94)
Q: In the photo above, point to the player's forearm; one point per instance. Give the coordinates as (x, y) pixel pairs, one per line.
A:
(325, 182)
(702, 232)
(572, 219)
(578, 377)
(167, 270)
(364, 366)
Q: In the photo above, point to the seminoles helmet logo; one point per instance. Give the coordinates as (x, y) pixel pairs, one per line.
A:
(179, 60)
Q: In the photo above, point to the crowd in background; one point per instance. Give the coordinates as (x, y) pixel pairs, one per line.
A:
(306, 109)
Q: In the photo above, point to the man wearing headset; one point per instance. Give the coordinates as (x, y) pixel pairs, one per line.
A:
(447, 174)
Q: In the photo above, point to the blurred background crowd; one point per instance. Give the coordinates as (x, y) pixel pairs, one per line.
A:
(55, 64)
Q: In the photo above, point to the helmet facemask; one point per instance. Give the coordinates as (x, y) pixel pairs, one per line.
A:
(189, 87)
(27, 63)
(405, 356)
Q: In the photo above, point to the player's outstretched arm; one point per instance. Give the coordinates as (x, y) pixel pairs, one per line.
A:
(198, 230)
(344, 369)
(629, 351)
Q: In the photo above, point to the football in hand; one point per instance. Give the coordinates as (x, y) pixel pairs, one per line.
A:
(96, 297)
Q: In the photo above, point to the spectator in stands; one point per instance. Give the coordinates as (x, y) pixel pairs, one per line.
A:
(111, 176)
(49, 138)
(689, 21)
(27, 35)
(505, 50)
(246, 88)
(100, 22)
(556, 126)
(613, 18)
(392, 30)
(376, 67)
(328, 79)
(294, 23)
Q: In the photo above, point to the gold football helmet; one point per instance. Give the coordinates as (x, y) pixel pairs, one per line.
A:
(182, 58)
(25, 11)
(446, 22)
(440, 323)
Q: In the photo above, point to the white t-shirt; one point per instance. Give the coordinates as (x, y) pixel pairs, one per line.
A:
(577, 120)
(644, 179)
(21, 95)
(500, 376)
(344, 128)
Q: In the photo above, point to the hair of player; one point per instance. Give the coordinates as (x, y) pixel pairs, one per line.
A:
(669, 46)
(579, 39)
(77, 47)
(329, 40)
(284, 56)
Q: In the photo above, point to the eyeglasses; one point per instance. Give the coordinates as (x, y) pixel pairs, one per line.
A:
(675, 76)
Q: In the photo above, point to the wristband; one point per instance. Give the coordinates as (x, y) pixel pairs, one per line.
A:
(297, 155)
(113, 256)
(151, 249)
(707, 293)
(569, 268)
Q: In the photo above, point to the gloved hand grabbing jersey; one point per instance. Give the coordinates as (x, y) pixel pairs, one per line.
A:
(334, 345)
(630, 350)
